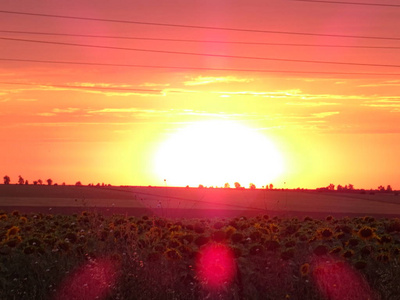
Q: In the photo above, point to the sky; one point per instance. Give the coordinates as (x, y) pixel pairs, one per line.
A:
(294, 93)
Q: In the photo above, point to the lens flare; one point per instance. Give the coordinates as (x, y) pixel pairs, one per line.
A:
(89, 282)
(336, 280)
(215, 266)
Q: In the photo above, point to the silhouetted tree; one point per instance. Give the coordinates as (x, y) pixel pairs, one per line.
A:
(381, 188)
(351, 187)
(78, 183)
(49, 181)
(40, 182)
(6, 179)
(201, 186)
(35, 182)
(339, 187)
(20, 180)
(252, 186)
(331, 187)
(271, 186)
(237, 185)
(227, 186)
(389, 188)
(26, 182)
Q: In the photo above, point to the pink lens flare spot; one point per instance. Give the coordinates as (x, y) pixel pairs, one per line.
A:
(215, 266)
(337, 280)
(91, 281)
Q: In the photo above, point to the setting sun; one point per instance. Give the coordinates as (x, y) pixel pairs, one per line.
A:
(216, 152)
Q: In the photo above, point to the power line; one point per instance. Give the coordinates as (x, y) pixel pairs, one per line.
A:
(198, 26)
(206, 54)
(350, 3)
(196, 68)
(198, 41)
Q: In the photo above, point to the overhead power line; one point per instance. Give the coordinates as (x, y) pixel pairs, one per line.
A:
(198, 68)
(206, 54)
(197, 41)
(351, 3)
(197, 26)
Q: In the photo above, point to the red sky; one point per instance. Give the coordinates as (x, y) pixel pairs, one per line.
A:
(329, 121)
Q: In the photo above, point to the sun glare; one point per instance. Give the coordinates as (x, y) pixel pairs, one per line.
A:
(216, 152)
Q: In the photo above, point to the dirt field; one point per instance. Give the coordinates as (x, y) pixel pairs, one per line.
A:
(195, 202)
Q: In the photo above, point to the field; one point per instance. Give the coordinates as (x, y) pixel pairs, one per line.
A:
(195, 202)
(68, 242)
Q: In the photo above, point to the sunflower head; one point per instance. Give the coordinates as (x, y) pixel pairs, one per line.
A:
(12, 231)
(172, 254)
(325, 233)
(305, 269)
(366, 233)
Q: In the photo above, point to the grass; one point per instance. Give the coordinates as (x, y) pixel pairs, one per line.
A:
(92, 256)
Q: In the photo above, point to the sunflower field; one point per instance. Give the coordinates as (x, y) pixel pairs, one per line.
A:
(92, 256)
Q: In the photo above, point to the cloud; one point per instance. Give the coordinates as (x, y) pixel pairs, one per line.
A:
(65, 110)
(325, 114)
(28, 100)
(46, 114)
(392, 103)
(312, 103)
(201, 80)
(126, 110)
(380, 84)
(150, 84)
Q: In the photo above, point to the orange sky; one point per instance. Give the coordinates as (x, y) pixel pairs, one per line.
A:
(327, 127)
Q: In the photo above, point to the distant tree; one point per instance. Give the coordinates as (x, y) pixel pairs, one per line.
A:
(49, 181)
(26, 182)
(63, 183)
(78, 183)
(227, 186)
(389, 188)
(331, 187)
(381, 188)
(339, 187)
(252, 186)
(201, 186)
(40, 182)
(20, 180)
(35, 182)
(237, 185)
(351, 187)
(6, 179)
(271, 186)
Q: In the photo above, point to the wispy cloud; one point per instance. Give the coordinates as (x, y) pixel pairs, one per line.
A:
(325, 114)
(126, 110)
(381, 84)
(201, 80)
(151, 84)
(312, 104)
(65, 110)
(27, 100)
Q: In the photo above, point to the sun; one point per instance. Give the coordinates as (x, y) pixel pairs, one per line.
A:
(212, 153)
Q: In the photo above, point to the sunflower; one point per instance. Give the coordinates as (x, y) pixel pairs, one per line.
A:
(172, 254)
(336, 250)
(348, 253)
(23, 220)
(12, 231)
(3, 217)
(366, 233)
(325, 233)
(304, 269)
